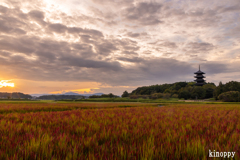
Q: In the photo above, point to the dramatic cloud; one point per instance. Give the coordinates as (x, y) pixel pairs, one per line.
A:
(143, 13)
(119, 43)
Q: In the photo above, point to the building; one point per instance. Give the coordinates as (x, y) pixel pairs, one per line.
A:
(199, 75)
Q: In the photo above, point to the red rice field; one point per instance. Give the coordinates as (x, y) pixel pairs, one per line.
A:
(117, 131)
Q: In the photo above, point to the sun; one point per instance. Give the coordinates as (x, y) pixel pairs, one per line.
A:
(5, 83)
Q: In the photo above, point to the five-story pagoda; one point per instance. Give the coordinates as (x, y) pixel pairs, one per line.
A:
(199, 75)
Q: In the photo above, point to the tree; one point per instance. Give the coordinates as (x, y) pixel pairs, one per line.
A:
(184, 94)
(209, 87)
(111, 95)
(198, 92)
(230, 96)
(125, 94)
(218, 90)
(230, 86)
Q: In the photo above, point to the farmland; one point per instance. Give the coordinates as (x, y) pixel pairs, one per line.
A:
(117, 130)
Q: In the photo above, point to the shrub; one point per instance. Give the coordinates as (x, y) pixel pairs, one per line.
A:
(166, 95)
(156, 95)
(133, 97)
(138, 96)
(230, 96)
(174, 96)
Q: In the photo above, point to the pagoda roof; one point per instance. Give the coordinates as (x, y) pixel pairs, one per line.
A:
(199, 76)
(199, 80)
(199, 72)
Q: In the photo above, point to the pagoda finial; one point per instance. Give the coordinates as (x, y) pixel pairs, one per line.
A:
(199, 67)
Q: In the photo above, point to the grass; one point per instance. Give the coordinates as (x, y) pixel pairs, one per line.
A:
(48, 106)
(117, 130)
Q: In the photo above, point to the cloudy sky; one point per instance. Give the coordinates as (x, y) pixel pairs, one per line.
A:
(90, 46)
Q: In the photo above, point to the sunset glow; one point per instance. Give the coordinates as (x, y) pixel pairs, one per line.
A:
(5, 83)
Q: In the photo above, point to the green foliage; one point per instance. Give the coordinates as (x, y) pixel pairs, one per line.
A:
(157, 95)
(230, 96)
(125, 94)
(191, 84)
(210, 87)
(153, 96)
(166, 96)
(164, 88)
(139, 96)
(167, 88)
(110, 95)
(184, 90)
(230, 86)
(174, 96)
(198, 92)
(184, 94)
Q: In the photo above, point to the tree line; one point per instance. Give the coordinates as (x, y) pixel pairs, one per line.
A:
(14, 95)
(110, 95)
(187, 90)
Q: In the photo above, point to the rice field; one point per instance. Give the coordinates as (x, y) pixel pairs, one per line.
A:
(117, 131)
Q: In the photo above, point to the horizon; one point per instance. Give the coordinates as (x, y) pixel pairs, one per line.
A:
(86, 47)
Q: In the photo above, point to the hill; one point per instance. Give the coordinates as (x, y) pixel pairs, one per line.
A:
(14, 95)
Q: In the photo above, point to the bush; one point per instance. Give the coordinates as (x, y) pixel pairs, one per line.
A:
(166, 95)
(138, 96)
(156, 95)
(174, 96)
(133, 97)
(230, 96)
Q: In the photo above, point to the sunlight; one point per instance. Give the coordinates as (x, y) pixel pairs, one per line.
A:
(5, 83)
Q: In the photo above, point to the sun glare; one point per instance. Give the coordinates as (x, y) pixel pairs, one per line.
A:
(5, 83)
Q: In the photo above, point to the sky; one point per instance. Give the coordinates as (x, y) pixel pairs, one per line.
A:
(109, 46)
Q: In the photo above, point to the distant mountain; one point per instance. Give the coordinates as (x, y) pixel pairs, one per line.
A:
(60, 97)
(69, 93)
(87, 95)
(38, 95)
